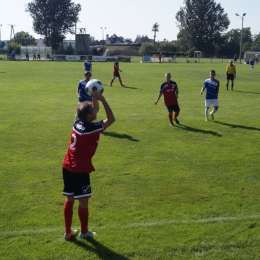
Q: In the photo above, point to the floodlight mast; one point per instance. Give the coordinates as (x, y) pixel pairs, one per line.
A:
(242, 17)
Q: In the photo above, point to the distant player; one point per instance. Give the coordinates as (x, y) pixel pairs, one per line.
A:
(235, 58)
(38, 56)
(212, 88)
(27, 55)
(251, 64)
(160, 57)
(230, 74)
(87, 65)
(116, 73)
(170, 91)
(81, 92)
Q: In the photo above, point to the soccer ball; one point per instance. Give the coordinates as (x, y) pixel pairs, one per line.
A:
(94, 85)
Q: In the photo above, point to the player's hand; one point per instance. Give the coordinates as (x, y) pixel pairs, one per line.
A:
(97, 95)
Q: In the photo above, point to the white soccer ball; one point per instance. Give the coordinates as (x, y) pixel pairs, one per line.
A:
(94, 85)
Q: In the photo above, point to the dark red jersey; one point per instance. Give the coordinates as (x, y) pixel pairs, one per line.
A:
(116, 67)
(170, 92)
(83, 144)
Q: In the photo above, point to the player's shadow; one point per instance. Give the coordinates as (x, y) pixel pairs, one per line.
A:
(247, 92)
(238, 126)
(120, 136)
(130, 87)
(108, 85)
(100, 250)
(196, 130)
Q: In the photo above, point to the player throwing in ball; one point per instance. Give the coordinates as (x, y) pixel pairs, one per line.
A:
(170, 91)
(211, 97)
(77, 164)
(116, 73)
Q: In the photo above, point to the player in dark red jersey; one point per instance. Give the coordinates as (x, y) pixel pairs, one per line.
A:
(160, 57)
(116, 73)
(170, 91)
(77, 164)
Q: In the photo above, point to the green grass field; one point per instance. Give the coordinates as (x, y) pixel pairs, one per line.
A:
(159, 192)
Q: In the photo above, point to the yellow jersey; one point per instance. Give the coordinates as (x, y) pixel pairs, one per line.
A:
(231, 69)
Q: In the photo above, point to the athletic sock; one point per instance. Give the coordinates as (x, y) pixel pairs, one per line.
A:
(68, 214)
(176, 115)
(170, 117)
(206, 112)
(83, 217)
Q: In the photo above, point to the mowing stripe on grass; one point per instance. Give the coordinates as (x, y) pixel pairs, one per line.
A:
(139, 224)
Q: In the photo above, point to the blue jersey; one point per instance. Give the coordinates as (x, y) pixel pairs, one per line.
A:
(87, 65)
(212, 88)
(82, 92)
(251, 62)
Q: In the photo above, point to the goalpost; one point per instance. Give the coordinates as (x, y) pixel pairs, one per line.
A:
(198, 55)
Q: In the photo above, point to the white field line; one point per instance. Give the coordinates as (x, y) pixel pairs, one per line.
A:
(138, 224)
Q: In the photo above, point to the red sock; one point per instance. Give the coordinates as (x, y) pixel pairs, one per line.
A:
(68, 214)
(83, 217)
(176, 115)
(170, 117)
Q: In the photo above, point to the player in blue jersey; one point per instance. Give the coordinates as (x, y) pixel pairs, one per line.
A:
(81, 92)
(251, 64)
(212, 88)
(87, 65)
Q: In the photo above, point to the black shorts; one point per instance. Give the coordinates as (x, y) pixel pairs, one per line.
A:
(76, 184)
(117, 75)
(230, 76)
(174, 108)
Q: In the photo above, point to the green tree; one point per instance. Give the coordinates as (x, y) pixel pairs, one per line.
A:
(24, 38)
(14, 46)
(256, 43)
(142, 39)
(146, 48)
(201, 22)
(155, 29)
(53, 19)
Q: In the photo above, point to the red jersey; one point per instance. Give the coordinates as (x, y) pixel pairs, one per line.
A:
(116, 67)
(83, 144)
(170, 92)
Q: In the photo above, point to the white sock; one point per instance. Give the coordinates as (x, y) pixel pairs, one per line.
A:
(206, 112)
(213, 111)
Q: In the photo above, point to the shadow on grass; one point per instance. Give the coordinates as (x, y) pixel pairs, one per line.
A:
(120, 86)
(120, 136)
(100, 250)
(247, 92)
(196, 130)
(238, 126)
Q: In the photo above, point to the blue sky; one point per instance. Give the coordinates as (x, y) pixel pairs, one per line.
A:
(127, 18)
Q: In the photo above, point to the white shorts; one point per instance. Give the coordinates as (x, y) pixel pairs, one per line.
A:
(208, 102)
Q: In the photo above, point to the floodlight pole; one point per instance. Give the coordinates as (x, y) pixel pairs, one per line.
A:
(103, 28)
(242, 17)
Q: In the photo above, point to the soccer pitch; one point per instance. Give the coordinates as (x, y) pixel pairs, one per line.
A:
(159, 192)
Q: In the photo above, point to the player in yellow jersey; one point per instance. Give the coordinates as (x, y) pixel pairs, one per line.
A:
(230, 74)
